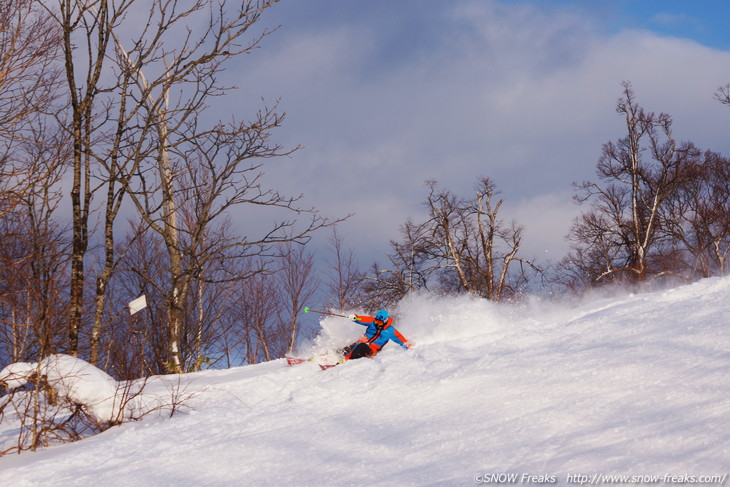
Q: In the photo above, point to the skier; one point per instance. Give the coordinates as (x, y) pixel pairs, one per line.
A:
(379, 331)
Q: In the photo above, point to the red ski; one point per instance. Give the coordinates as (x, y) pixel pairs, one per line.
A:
(296, 360)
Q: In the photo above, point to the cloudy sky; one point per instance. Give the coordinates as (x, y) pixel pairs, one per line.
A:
(385, 94)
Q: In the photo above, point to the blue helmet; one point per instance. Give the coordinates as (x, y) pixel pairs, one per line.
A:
(382, 316)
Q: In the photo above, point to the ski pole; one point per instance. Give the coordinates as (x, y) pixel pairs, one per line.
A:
(307, 310)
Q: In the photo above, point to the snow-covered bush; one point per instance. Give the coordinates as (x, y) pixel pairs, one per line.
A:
(71, 399)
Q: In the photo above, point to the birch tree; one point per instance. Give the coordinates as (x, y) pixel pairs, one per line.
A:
(637, 174)
(28, 78)
(462, 246)
(697, 218)
(33, 155)
(469, 238)
(87, 29)
(297, 285)
(343, 278)
(211, 168)
(29, 87)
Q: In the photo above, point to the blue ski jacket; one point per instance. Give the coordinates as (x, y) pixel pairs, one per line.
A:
(376, 337)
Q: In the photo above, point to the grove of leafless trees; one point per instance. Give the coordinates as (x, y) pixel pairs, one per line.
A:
(105, 106)
(117, 180)
(660, 207)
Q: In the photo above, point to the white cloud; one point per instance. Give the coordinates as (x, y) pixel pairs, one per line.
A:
(547, 219)
(518, 93)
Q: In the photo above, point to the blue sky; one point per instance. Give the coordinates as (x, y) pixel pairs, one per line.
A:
(385, 94)
(704, 21)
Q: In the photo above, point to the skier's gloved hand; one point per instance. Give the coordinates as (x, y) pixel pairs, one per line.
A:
(352, 317)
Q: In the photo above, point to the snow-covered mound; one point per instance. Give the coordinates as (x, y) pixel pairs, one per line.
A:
(635, 386)
(74, 380)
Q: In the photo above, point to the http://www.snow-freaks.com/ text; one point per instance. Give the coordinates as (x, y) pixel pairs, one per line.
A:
(599, 479)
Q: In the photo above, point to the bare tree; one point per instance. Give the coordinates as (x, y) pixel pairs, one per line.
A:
(257, 310)
(621, 230)
(297, 284)
(32, 156)
(723, 94)
(137, 345)
(468, 237)
(137, 98)
(451, 233)
(32, 284)
(28, 46)
(343, 276)
(86, 40)
(45, 269)
(211, 168)
(697, 218)
(410, 268)
(463, 246)
(119, 159)
(28, 91)
(492, 269)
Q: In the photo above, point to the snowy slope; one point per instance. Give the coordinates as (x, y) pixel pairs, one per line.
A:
(636, 385)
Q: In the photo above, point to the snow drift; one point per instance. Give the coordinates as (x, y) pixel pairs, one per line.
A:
(107, 400)
(634, 386)
(74, 380)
